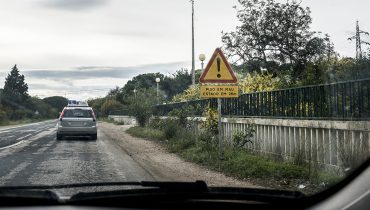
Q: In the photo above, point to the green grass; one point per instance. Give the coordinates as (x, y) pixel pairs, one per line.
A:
(242, 164)
(20, 122)
(109, 120)
(238, 163)
(147, 133)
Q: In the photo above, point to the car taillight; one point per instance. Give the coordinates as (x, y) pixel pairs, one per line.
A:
(61, 116)
(93, 114)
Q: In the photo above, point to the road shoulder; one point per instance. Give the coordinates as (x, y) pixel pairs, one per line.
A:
(161, 164)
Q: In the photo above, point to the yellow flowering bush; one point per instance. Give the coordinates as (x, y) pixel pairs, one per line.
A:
(211, 123)
(258, 82)
(192, 93)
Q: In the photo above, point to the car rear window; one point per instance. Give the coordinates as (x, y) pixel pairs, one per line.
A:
(78, 113)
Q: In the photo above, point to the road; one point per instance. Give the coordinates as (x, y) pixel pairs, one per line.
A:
(31, 154)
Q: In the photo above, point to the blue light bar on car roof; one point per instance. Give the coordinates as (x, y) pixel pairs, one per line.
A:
(77, 103)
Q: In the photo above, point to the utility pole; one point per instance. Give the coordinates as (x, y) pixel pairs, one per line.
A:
(192, 44)
(359, 42)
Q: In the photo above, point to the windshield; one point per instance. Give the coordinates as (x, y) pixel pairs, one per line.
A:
(77, 113)
(270, 94)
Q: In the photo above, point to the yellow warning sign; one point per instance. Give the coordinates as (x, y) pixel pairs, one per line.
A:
(218, 70)
(216, 91)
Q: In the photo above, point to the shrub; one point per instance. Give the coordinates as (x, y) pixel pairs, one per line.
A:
(241, 138)
(3, 116)
(181, 114)
(192, 93)
(21, 114)
(119, 122)
(211, 123)
(156, 123)
(258, 82)
(170, 129)
(110, 105)
(183, 140)
(141, 106)
(208, 139)
(141, 113)
(146, 133)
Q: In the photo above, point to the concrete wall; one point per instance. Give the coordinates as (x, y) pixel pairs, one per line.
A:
(330, 143)
(127, 120)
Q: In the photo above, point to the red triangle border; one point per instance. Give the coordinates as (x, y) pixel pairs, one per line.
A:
(204, 73)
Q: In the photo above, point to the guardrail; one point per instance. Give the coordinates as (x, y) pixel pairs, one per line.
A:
(348, 100)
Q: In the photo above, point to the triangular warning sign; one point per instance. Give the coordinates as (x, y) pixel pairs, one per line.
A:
(218, 70)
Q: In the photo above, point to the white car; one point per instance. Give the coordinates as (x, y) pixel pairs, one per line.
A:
(77, 121)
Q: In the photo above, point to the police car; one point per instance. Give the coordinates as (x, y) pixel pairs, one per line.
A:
(77, 119)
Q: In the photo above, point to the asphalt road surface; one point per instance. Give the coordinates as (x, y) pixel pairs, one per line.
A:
(31, 155)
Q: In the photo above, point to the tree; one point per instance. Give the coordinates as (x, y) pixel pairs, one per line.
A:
(349, 68)
(15, 89)
(176, 83)
(56, 102)
(113, 91)
(96, 104)
(140, 82)
(141, 106)
(117, 94)
(274, 34)
(38, 108)
(110, 105)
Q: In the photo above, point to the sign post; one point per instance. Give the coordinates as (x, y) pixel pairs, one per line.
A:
(219, 123)
(218, 81)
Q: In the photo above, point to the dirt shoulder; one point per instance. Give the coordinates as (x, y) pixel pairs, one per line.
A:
(161, 164)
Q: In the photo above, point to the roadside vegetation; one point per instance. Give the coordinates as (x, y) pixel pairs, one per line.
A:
(18, 107)
(110, 120)
(233, 159)
(267, 51)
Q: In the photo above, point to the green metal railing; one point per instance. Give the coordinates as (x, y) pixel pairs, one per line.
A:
(349, 100)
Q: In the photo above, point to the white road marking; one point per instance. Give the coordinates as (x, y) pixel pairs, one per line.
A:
(13, 173)
(12, 145)
(23, 137)
(8, 137)
(8, 150)
(7, 129)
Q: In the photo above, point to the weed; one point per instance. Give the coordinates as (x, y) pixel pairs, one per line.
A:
(148, 133)
(170, 129)
(349, 158)
(119, 122)
(203, 149)
(241, 138)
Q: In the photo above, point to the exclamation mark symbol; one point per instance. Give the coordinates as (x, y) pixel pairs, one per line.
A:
(218, 67)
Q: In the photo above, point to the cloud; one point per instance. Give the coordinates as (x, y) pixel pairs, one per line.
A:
(73, 4)
(91, 72)
(92, 81)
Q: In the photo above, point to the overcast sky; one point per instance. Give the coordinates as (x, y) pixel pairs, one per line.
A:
(82, 48)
